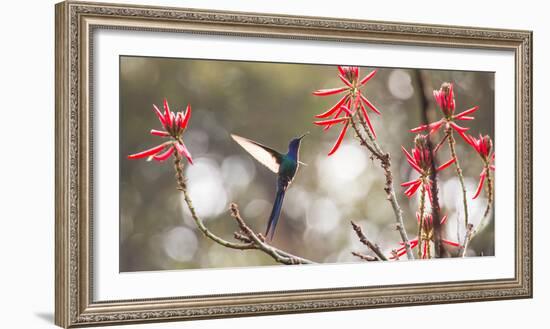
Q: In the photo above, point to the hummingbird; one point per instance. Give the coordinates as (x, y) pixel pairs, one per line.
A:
(284, 165)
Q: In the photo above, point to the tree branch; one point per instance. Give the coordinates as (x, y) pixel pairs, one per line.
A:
(249, 239)
(363, 238)
(385, 163)
(424, 105)
(260, 244)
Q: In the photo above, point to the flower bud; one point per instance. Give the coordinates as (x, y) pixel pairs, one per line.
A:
(445, 99)
(351, 73)
(421, 152)
(486, 146)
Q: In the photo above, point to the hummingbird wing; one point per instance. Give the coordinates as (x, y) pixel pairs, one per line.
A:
(265, 155)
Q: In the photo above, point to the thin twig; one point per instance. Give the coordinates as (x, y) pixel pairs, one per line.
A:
(458, 228)
(364, 257)
(378, 150)
(470, 232)
(452, 143)
(441, 142)
(362, 139)
(241, 237)
(421, 221)
(363, 238)
(467, 237)
(489, 191)
(250, 239)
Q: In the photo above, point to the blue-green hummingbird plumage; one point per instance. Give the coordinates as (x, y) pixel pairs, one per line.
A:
(284, 165)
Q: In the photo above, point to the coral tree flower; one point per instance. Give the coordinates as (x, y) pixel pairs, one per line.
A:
(445, 99)
(173, 124)
(427, 237)
(484, 147)
(351, 100)
(420, 159)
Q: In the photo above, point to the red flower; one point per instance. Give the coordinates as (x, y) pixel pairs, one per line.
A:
(444, 98)
(174, 124)
(427, 236)
(484, 147)
(353, 99)
(420, 159)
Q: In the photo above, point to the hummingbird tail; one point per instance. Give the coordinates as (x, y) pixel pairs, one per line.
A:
(275, 212)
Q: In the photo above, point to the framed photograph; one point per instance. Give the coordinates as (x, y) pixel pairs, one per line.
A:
(218, 164)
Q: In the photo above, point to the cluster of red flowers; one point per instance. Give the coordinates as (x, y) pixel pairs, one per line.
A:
(352, 100)
(173, 124)
(354, 103)
(483, 146)
(445, 100)
(421, 159)
(444, 97)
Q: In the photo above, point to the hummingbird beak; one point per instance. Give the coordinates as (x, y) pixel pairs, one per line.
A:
(304, 135)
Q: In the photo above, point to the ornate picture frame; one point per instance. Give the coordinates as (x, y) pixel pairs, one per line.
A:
(76, 22)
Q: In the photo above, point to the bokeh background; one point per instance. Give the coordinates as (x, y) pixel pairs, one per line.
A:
(271, 103)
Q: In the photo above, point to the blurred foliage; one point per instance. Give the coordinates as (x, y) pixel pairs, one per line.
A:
(271, 103)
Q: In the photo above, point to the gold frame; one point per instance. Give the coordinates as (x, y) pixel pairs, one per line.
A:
(75, 23)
